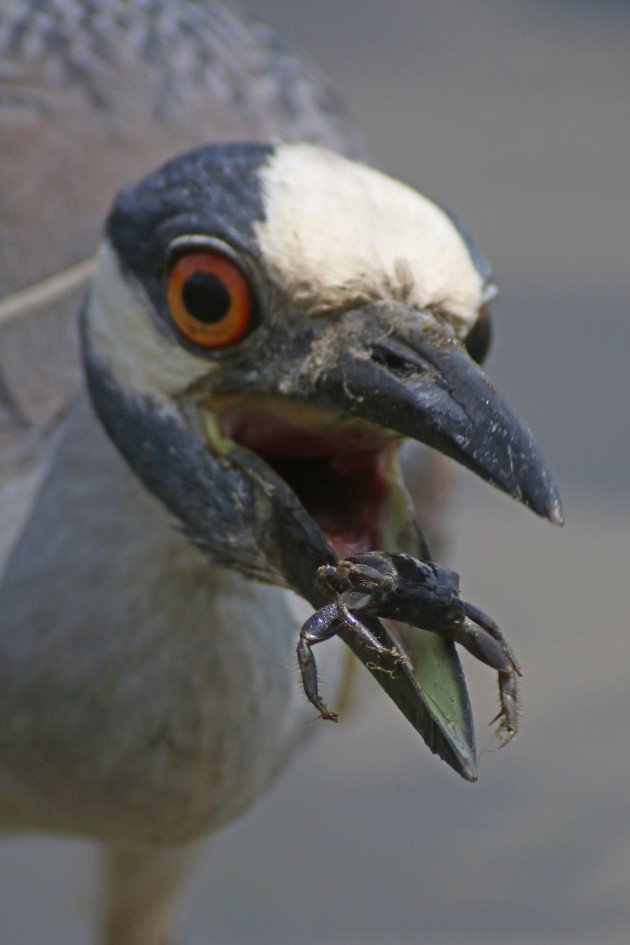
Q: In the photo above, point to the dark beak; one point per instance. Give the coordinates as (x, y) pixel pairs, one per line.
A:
(401, 370)
(426, 386)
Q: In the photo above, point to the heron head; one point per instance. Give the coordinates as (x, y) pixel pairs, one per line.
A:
(266, 324)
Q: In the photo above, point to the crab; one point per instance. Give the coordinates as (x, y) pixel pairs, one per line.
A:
(420, 593)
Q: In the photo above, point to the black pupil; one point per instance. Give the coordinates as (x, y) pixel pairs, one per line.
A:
(206, 297)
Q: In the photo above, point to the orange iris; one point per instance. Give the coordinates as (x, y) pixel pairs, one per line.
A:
(209, 299)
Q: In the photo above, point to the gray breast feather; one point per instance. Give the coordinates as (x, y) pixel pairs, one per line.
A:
(92, 672)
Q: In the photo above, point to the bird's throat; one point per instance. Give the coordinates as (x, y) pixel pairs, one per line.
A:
(344, 472)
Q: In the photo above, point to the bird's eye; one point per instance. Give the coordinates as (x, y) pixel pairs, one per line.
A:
(209, 299)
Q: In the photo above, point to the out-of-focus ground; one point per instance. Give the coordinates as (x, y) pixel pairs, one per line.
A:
(517, 116)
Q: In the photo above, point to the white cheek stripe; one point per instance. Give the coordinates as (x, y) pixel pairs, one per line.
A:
(336, 230)
(125, 337)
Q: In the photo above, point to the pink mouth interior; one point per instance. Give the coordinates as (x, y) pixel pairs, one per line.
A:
(339, 479)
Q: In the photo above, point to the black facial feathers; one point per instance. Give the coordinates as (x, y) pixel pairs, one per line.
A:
(213, 190)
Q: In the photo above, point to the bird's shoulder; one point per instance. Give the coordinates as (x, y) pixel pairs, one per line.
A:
(200, 67)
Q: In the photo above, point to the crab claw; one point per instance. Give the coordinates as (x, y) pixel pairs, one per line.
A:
(480, 635)
(507, 716)
(420, 594)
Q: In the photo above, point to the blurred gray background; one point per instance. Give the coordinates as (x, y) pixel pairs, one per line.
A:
(516, 115)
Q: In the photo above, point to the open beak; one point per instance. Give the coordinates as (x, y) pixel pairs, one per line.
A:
(372, 376)
(429, 388)
(404, 372)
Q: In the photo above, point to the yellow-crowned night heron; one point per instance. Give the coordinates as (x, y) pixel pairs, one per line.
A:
(266, 322)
